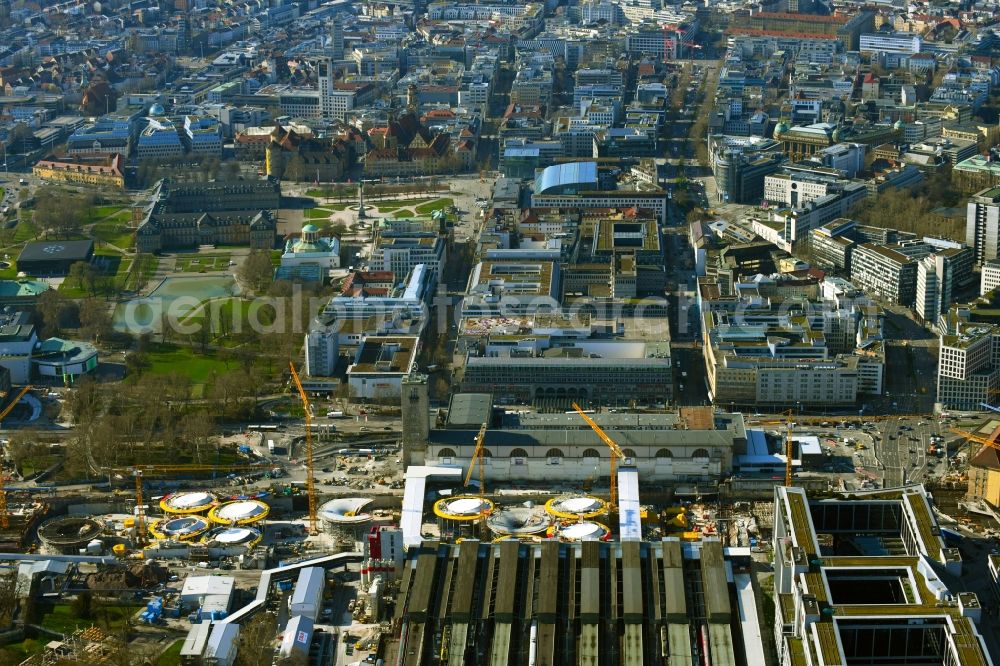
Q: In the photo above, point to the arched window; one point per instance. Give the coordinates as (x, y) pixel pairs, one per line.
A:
(664, 453)
(629, 453)
(591, 453)
(700, 453)
(554, 453)
(518, 453)
(446, 453)
(487, 453)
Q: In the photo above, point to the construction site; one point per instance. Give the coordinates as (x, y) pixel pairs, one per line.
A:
(590, 537)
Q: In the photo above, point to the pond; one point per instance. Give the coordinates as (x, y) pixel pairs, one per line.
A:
(175, 297)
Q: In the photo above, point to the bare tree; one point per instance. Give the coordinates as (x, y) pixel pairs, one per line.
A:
(257, 640)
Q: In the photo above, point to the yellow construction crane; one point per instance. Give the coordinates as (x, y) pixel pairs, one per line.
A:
(310, 481)
(137, 472)
(477, 458)
(990, 441)
(616, 453)
(4, 516)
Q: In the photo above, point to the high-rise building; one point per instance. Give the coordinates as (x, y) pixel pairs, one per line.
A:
(337, 38)
(937, 276)
(321, 352)
(982, 225)
(929, 284)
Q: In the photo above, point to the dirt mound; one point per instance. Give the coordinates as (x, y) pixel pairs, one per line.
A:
(132, 577)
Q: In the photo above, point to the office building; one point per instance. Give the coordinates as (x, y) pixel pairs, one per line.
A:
(989, 278)
(108, 136)
(576, 185)
(512, 286)
(982, 225)
(856, 582)
(904, 43)
(885, 272)
(832, 243)
(400, 254)
(740, 166)
(968, 374)
(159, 140)
(379, 366)
(939, 274)
(202, 136)
(771, 344)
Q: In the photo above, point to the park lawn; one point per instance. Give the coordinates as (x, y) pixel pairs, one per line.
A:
(393, 204)
(403, 212)
(430, 207)
(61, 618)
(172, 655)
(111, 262)
(25, 231)
(100, 212)
(276, 257)
(204, 262)
(317, 213)
(115, 231)
(167, 358)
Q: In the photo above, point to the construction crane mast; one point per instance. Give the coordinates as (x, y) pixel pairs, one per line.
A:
(616, 453)
(789, 447)
(477, 458)
(140, 510)
(310, 480)
(4, 515)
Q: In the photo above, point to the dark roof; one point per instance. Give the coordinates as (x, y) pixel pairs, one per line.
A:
(78, 250)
